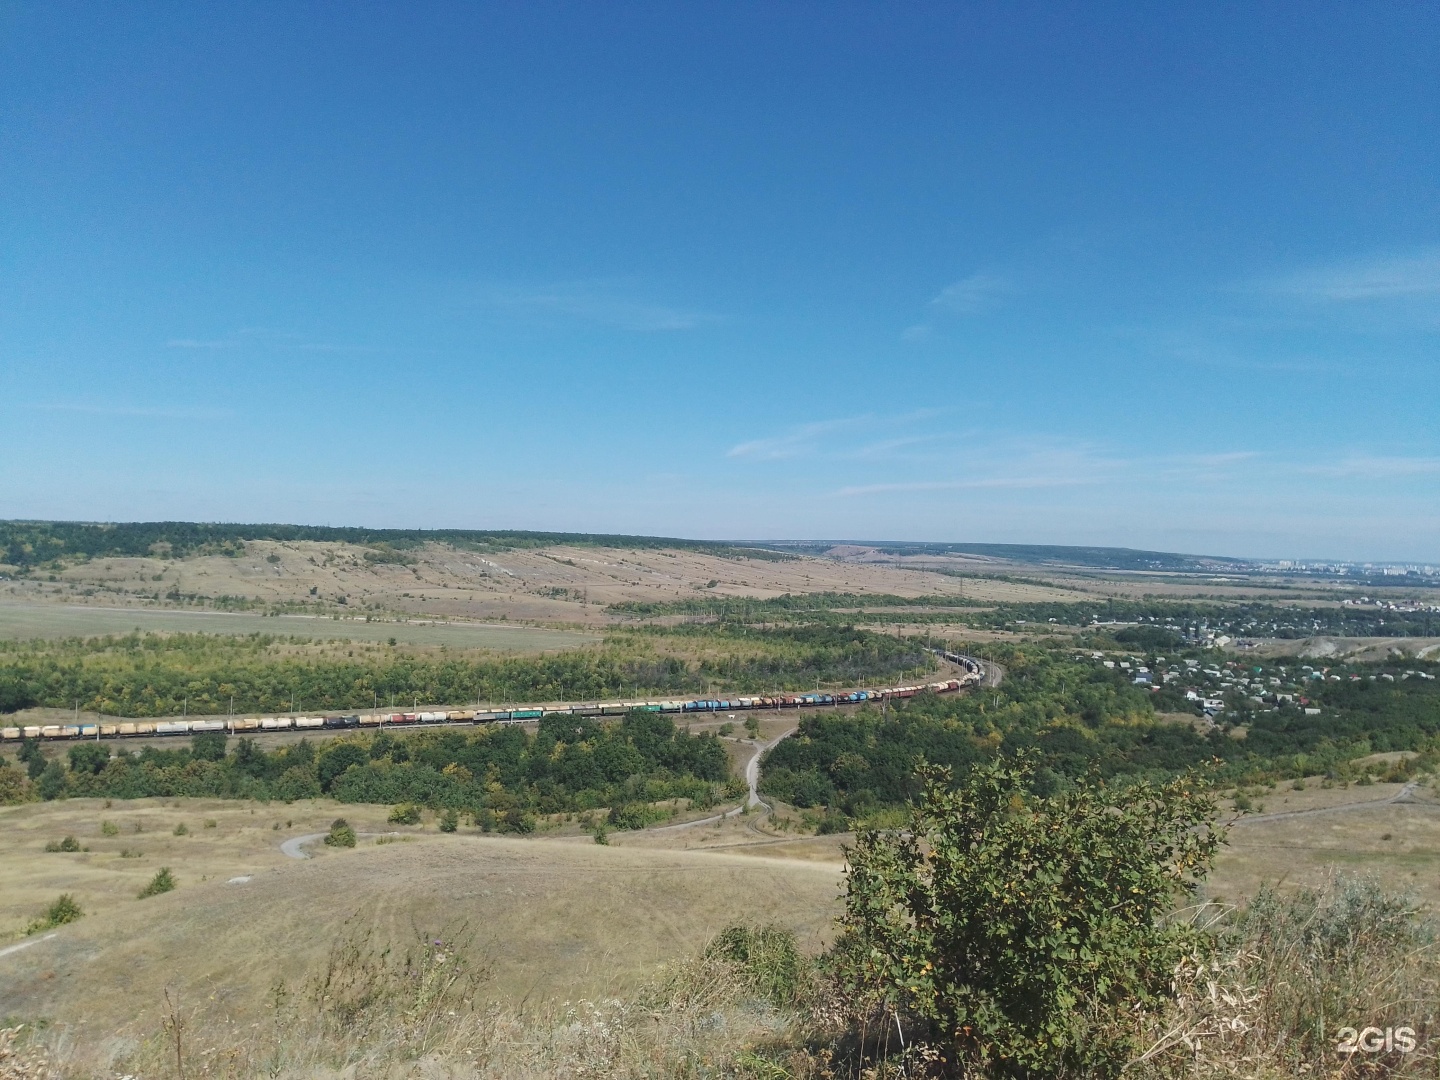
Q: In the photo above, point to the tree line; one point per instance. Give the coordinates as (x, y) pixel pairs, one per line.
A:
(32, 543)
(163, 674)
(498, 774)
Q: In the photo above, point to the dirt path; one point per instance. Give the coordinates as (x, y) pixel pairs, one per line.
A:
(1401, 796)
(293, 846)
(24, 945)
(752, 778)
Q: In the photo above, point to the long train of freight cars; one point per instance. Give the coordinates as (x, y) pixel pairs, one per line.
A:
(150, 728)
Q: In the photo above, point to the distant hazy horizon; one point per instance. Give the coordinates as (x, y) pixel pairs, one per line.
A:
(1077, 274)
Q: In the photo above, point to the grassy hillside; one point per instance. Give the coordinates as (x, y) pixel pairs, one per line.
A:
(35, 543)
(549, 920)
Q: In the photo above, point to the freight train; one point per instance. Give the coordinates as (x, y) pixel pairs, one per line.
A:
(524, 714)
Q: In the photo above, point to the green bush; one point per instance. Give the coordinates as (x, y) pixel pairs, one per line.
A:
(449, 821)
(636, 815)
(341, 834)
(516, 821)
(182, 829)
(162, 882)
(766, 958)
(68, 844)
(63, 910)
(405, 814)
(1027, 936)
(109, 828)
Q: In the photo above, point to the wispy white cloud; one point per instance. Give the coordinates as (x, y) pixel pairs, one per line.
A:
(600, 302)
(1377, 278)
(979, 483)
(261, 338)
(1009, 464)
(972, 294)
(192, 343)
(889, 447)
(817, 438)
(1376, 467)
(139, 412)
(968, 296)
(794, 443)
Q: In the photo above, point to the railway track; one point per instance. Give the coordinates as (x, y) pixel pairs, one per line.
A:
(969, 672)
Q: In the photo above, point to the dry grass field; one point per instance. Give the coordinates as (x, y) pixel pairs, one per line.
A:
(26, 620)
(553, 918)
(1299, 835)
(555, 585)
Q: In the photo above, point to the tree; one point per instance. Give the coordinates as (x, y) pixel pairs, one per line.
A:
(334, 761)
(208, 746)
(296, 782)
(1027, 934)
(51, 783)
(88, 757)
(14, 787)
(14, 693)
(32, 756)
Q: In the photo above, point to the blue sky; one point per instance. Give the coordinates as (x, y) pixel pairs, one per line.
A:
(1118, 274)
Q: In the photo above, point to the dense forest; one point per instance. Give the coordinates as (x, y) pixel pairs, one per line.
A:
(165, 674)
(501, 775)
(32, 543)
(1081, 717)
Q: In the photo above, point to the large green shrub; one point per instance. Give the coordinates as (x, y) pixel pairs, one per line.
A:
(162, 882)
(342, 834)
(1026, 935)
(63, 910)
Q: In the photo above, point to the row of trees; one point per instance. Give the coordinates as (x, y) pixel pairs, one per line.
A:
(158, 675)
(570, 763)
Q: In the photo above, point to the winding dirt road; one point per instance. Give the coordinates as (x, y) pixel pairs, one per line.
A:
(752, 778)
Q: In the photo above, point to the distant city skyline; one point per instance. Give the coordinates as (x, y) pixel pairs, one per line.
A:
(1078, 275)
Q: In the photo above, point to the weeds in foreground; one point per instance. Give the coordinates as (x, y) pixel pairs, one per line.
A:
(1291, 971)
(20, 1057)
(1296, 971)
